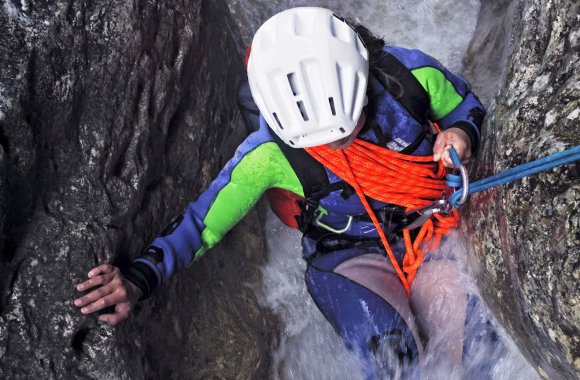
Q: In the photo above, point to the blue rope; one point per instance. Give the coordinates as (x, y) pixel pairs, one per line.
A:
(454, 157)
(454, 180)
(539, 165)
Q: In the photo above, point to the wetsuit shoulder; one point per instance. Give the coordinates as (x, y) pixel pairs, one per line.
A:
(452, 103)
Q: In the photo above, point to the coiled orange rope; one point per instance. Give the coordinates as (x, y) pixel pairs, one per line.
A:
(387, 176)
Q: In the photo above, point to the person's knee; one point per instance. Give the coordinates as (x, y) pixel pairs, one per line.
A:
(481, 332)
(483, 346)
(395, 353)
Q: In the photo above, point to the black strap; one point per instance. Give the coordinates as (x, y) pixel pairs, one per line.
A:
(415, 144)
(412, 96)
(314, 181)
(381, 137)
(310, 172)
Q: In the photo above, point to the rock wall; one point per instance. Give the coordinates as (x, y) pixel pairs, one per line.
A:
(524, 61)
(113, 115)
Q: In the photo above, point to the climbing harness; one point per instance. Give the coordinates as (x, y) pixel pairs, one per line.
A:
(459, 181)
(414, 182)
(418, 184)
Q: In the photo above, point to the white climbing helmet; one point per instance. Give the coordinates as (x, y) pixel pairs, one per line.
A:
(308, 73)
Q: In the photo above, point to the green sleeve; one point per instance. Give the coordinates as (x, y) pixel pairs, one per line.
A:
(443, 96)
(263, 168)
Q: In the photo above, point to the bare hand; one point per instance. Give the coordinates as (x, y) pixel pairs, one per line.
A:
(452, 137)
(113, 290)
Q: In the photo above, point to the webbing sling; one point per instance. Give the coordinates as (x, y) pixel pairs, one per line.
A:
(413, 96)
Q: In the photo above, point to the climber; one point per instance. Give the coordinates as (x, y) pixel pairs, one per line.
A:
(326, 90)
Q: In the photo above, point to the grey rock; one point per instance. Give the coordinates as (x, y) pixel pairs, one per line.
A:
(525, 236)
(113, 116)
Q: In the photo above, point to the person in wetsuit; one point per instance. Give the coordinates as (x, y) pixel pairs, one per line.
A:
(318, 79)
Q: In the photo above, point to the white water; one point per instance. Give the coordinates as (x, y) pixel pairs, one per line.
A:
(441, 28)
(309, 348)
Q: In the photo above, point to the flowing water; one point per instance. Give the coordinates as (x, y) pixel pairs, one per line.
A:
(308, 347)
(441, 28)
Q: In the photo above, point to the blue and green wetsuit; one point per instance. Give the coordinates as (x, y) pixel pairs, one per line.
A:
(260, 164)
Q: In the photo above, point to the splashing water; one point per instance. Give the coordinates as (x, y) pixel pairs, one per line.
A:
(309, 348)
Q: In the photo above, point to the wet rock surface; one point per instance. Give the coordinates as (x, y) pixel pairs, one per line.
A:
(113, 116)
(524, 61)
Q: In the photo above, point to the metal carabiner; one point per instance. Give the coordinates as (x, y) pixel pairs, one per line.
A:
(464, 179)
(321, 212)
(440, 205)
(464, 186)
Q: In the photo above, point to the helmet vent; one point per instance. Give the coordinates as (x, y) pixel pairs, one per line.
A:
(353, 105)
(362, 48)
(302, 110)
(342, 129)
(292, 83)
(340, 29)
(277, 120)
(332, 109)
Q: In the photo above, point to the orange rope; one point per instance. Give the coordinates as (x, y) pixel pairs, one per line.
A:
(387, 176)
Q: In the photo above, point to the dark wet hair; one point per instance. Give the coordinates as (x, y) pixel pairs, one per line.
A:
(375, 45)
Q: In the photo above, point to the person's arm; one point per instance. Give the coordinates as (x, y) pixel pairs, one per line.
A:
(257, 165)
(453, 106)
